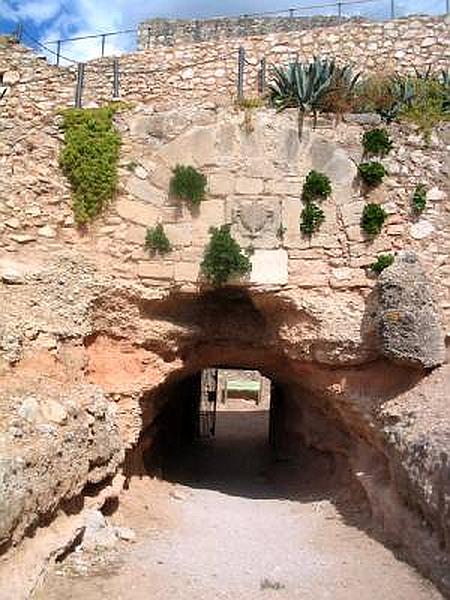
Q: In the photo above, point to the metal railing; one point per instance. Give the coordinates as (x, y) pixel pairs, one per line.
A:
(69, 50)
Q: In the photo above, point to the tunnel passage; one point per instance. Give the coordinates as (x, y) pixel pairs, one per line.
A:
(207, 430)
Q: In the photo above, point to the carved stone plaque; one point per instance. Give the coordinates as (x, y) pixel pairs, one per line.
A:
(256, 222)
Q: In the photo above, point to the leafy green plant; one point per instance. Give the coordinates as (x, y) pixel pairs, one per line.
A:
(89, 159)
(419, 199)
(156, 240)
(383, 262)
(223, 258)
(429, 105)
(311, 218)
(373, 218)
(377, 142)
(188, 184)
(316, 186)
(372, 173)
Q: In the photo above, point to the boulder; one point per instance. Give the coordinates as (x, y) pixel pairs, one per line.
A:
(408, 319)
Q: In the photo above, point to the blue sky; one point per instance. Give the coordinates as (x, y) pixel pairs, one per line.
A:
(54, 19)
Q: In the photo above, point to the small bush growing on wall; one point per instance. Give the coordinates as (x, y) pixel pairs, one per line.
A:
(377, 142)
(312, 218)
(223, 257)
(188, 184)
(373, 218)
(419, 199)
(317, 186)
(372, 173)
(156, 240)
(383, 262)
(89, 159)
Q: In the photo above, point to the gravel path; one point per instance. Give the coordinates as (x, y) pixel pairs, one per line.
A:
(236, 527)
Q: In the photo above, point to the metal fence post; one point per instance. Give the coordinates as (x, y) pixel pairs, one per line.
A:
(339, 10)
(240, 82)
(447, 7)
(103, 44)
(18, 33)
(116, 93)
(149, 35)
(392, 9)
(79, 86)
(291, 13)
(262, 76)
(58, 52)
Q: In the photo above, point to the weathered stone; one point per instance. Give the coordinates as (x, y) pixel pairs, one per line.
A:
(422, 229)
(309, 273)
(155, 270)
(186, 271)
(221, 184)
(269, 267)
(179, 234)
(47, 232)
(137, 212)
(346, 277)
(409, 321)
(248, 186)
(143, 190)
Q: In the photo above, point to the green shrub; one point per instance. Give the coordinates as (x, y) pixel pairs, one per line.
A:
(312, 218)
(419, 199)
(377, 142)
(223, 257)
(156, 240)
(89, 159)
(317, 186)
(429, 105)
(188, 184)
(383, 262)
(373, 218)
(372, 173)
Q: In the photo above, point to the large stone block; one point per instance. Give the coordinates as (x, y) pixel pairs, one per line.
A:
(408, 318)
(309, 273)
(137, 212)
(270, 267)
(249, 186)
(144, 190)
(221, 184)
(211, 213)
(187, 271)
(179, 234)
(156, 270)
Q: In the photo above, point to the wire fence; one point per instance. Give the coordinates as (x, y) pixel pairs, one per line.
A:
(67, 51)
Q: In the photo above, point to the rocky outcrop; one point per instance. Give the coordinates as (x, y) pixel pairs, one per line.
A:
(52, 444)
(409, 320)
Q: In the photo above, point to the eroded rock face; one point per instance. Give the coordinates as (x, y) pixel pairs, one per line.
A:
(52, 444)
(409, 321)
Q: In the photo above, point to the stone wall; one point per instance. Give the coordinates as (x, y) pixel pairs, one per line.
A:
(207, 71)
(172, 32)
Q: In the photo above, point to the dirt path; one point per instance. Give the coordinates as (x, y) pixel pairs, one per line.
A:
(235, 526)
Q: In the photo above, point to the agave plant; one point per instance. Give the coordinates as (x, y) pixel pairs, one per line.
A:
(301, 86)
(403, 92)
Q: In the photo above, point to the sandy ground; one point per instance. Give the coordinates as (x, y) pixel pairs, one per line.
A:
(231, 524)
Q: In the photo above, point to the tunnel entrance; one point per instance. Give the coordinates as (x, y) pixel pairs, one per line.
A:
(235, 430)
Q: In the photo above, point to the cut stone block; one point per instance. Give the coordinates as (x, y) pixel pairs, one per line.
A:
(270, 267)
(137, 212)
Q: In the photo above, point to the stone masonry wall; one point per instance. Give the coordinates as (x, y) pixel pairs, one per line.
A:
(207, 71)
(172, 32)
(255, 171)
